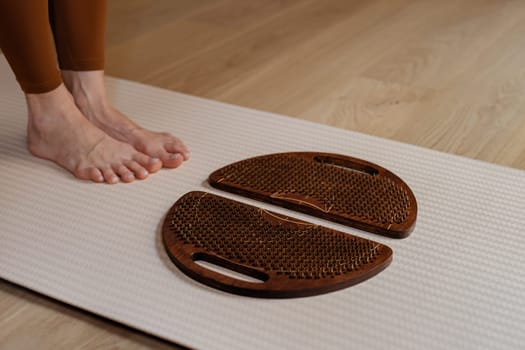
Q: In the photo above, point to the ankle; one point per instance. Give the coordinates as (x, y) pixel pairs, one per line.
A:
(49, 104)
(87, 88)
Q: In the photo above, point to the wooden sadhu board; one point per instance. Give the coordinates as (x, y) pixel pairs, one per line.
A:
(335, 187)
(288, 257)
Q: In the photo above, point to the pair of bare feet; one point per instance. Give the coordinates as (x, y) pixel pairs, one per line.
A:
(76, 126)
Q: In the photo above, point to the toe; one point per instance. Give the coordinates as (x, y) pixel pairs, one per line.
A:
(139, 171)
(124, 173)
(172, 160)
(88, 173)
(96, 175)
(152, 165)
(110, 176)
(178, 147)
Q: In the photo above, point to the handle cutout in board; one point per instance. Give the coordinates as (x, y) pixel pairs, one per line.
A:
(229, 269)
(346, 164)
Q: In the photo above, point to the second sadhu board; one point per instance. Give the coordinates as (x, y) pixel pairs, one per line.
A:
(335, 187)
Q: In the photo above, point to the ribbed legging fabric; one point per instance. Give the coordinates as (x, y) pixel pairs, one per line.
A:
(39, 37)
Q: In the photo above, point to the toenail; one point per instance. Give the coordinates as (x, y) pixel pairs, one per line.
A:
(114, 179)
(175, 156)
(100, 178)
(154, 160)
(130, 176)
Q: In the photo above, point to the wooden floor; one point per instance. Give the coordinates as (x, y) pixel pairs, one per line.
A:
(447, 75)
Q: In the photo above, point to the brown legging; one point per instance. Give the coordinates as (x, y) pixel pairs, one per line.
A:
(27, 30)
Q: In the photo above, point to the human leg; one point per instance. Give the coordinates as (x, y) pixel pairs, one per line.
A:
(57, 130)
(79, 36)
(27, 43)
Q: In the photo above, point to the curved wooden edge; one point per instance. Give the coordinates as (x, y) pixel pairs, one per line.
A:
(393, 231)
(272, 284)
(268, 289)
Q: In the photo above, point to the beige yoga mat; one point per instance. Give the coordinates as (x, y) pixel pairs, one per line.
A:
(457, 282)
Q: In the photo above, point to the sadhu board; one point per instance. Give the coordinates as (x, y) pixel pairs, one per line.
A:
(288, 257)
(334, 187)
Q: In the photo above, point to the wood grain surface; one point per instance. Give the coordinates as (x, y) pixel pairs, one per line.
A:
(266, 246)
(447, 75)
(334, 187)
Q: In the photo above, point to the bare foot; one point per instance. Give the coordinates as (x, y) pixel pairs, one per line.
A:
(89, 92)
(58, 131)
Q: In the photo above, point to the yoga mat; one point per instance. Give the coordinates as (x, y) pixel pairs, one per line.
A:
(457, 282)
